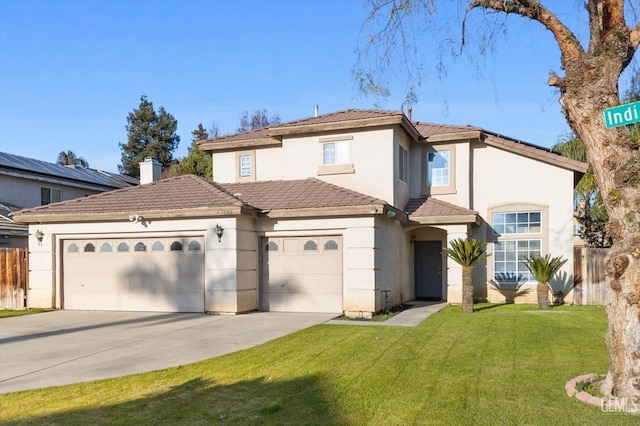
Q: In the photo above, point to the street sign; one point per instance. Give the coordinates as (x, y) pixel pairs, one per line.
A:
(622, 115)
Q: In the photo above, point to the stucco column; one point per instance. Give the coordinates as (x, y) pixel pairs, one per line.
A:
(454, 271)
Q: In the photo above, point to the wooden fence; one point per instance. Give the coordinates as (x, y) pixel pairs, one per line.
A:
(588, 271)
(13, 278)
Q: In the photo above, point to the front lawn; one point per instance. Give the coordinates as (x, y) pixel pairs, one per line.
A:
(504, 364)
(8, 313)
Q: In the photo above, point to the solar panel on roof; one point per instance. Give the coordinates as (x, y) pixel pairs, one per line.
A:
(79, 174)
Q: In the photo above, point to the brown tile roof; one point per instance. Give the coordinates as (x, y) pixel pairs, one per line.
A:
(177, 193)
(189, 195)
(433, 208)
(432, 129)
(349, 115)
(309, 193)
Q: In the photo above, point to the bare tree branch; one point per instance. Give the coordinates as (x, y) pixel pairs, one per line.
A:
(567, 41)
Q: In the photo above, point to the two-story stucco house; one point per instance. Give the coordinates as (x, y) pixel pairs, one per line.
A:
(27, 182)
(332, 213)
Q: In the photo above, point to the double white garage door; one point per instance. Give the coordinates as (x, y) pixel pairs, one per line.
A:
(297, 274)
(145, 274)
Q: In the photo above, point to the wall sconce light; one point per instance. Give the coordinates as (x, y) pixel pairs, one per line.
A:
(219, 231)
(39, 236)
(412, 240)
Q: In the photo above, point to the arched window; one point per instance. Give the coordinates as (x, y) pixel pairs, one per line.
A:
(89, 248)
(271, 246)
(330, 245)
(122, 247)
(140, 247)
(157, 246)
(105, 247)
(73, 248)
(194, 246)
(310, 245)
(176, 246)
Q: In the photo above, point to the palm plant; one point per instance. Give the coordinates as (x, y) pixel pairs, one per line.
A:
(543, 269)
(467, 253)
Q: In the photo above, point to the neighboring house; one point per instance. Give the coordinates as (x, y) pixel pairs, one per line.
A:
(327, 214)
(25, 182)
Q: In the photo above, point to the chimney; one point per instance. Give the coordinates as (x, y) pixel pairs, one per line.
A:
(315, 110)
(150, 170)
(409, 111)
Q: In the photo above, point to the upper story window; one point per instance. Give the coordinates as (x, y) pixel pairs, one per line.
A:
(245, 166)
(403, 164)
(335, 153)
(48, 195)
(438, 168)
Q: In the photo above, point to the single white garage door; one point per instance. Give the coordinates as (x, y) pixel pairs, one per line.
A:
(141, 274)
(301, 274)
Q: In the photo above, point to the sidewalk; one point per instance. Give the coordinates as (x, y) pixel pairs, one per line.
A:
(407, 318)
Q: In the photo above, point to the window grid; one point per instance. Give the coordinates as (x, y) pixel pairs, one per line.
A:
(335, 153)
(517, 223)
(438, 168)
(245, 166)
(507, 260)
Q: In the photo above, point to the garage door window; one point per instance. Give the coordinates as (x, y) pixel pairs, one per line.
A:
(73, 248)
(123, 247)
(331, 245)
(271, 246)
(105, 247)
(140, 247)
(311, 245)
(176, 246)
(157, 246)
(89, 248)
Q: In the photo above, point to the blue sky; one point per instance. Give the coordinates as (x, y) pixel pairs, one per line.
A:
(71, 71)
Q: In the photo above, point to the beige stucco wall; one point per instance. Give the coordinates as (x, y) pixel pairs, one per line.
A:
(503, 179)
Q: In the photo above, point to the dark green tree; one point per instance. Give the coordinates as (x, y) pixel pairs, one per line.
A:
(258, 120)
(589, 206)
(198, 162)
(69, 158)
(149, 134)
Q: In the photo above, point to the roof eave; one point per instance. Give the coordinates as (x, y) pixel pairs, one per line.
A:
(339, 125)
(361, 210)
(446, 220)
(448, 137)
(147, 215)
(241, 144)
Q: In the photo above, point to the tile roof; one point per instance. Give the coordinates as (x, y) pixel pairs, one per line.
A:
(432, 207)
(349, 115)
(77, 174)
(190, 192)
(298, 194)
(177, 193)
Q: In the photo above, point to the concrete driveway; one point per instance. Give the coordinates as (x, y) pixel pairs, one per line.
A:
(63, 347)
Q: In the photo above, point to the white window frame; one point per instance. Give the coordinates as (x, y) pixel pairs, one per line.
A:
(244, 172)
(527, 234)
(443, 187)
(439, 176)
(335, 155)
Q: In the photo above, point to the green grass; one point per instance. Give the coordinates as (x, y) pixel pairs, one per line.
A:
(8, 313)
(502, 365)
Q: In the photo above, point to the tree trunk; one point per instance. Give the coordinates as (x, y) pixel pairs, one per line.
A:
(615, 159)
(543, 295)
(467, 289)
